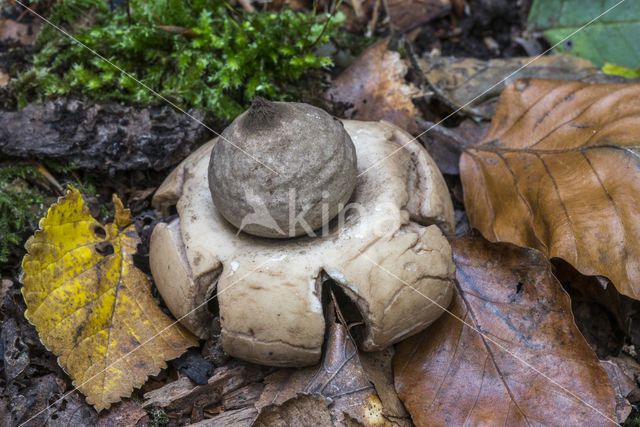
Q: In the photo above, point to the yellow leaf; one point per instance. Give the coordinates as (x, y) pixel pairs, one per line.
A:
(91, 306)
(618, 70)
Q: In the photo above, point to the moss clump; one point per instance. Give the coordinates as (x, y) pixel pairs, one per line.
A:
(224, 58)
(21, 207)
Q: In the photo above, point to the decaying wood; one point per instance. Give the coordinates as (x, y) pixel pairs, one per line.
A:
(106, 138)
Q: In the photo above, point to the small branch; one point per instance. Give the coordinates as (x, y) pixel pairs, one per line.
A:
(374, 19)
(52, 180)
(246, 5)
(357, 8)
(326, 24)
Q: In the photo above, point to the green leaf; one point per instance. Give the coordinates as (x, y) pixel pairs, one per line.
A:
(611, 38)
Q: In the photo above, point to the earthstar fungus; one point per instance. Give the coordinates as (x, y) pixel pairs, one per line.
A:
(386, 250)
(312, 169)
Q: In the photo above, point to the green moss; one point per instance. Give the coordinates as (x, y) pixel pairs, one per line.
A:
(157, 417)
(21, 207)
(230, 57)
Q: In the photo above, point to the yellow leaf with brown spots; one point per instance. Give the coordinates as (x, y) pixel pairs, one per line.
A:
(91, 306)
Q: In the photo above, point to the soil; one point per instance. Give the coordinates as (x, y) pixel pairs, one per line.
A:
(500, 21)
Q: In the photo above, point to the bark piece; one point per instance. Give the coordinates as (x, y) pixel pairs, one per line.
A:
(106, 138)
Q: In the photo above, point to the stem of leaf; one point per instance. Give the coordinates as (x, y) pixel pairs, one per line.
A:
(326, 24)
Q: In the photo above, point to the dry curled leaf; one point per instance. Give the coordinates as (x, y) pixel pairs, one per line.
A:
(559, 171)
(452, 375)
(91, 306)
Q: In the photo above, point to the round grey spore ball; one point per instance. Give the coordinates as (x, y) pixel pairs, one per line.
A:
(282, 169)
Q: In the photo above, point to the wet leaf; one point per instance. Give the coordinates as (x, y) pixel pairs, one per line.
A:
(374, 88)
(458, 81)
(623, 386)
(91, 306)
(452, 375)
(613, 37)
(71, 411)
(445, 144)
(559, 171)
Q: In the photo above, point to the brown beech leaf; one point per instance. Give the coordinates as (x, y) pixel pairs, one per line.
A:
(374, 88)
(529, 366)
(559, 171)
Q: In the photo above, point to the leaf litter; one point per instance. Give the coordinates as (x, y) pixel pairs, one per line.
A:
(231, 410)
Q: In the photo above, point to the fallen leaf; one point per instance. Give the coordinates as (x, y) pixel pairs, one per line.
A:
(623, 387)
(374, 88)
(15, 355)
(612, 37)
(91, 306)
(459, 81)
(516, 314)
(30, 406)
(445, 144)
(339, 377)
(303, 409)
(406, 15)
(559, 171)
(18, 31)
(631, 369)
(72, 411)
(378, 369)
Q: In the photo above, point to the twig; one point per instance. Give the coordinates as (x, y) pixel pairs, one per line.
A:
(24, 12)
(326, 24)
(357, 8)
(341, 317)
(374, 19)
(246, 5)
(45, 173)
(77, 178)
